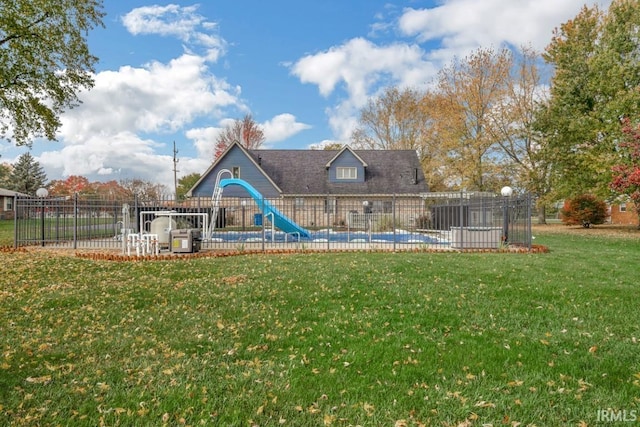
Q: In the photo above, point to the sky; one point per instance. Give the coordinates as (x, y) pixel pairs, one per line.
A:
(179, 72)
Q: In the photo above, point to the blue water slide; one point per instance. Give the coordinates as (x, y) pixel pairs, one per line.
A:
(281, 221)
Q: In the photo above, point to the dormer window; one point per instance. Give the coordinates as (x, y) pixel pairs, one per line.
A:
(346, 173)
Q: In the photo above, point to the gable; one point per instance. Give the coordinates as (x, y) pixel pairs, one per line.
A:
(235, 159)
(346, 168)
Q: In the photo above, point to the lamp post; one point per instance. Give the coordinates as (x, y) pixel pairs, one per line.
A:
(506, 193)
(42, 193)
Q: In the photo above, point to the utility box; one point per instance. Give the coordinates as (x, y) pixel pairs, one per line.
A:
(186, 240)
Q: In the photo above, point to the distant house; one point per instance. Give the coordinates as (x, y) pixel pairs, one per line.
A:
(312, 183)
(623, 214)
(6, 203)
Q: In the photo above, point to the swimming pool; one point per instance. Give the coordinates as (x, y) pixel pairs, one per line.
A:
(326, 235)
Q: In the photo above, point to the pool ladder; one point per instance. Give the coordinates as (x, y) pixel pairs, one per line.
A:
(216, 197)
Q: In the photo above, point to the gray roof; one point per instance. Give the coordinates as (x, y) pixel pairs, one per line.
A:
(9, 193)
(305, 171)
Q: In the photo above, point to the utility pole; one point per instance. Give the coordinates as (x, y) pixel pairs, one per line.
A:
(175, 170)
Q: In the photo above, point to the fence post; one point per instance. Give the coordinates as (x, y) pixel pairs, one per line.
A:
(393, 220)
(328, 207)
(15, 221)
(461, 219)
(75, 220)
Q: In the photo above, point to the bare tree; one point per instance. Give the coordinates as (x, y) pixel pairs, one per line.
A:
(246, 131)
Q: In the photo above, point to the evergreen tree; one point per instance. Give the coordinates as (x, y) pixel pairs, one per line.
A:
(27, 175)
(5, 172)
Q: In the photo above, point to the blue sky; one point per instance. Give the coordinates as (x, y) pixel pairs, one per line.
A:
(180, 71)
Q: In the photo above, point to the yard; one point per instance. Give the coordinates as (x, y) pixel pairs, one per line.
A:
(371, 339)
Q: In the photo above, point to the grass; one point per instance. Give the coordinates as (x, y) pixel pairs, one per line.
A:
(6, 233)
(324, 339)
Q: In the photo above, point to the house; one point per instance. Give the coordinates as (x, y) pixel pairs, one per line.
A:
(6, 203)
(623, 214)
(319, 187)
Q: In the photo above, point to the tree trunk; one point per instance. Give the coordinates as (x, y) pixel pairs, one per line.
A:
(542, 214)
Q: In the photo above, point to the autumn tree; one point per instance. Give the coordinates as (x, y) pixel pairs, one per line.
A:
(69, 186)
(44, 63)
(110, 189)
(143, 190)
(246, 131)
(27, 175)
(467, 92)
(585, 210)
(185, 184)
(512, 126)
(626, 171)
(596, 58)
(398, 120)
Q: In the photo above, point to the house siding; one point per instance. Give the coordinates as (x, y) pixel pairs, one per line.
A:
(627, 217)
(248, 172)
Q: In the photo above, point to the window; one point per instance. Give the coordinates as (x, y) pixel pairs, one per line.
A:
(346, 173)
(623, 207)
(299, 202)
(330, 205)
(9, 204)
(235, 171)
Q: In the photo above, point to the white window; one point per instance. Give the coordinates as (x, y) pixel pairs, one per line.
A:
(330, 205)
(346, 173)
(299, 202)
(623, 207)
(236, 171)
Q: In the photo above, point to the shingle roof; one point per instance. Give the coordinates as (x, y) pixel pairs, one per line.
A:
(304, 171)
(9, 193)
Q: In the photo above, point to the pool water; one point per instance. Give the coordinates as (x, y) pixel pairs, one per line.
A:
(401, 236)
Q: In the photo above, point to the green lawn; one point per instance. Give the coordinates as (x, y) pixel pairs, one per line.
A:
(376, 339)
(6, 233)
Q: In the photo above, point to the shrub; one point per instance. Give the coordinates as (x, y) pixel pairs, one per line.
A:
(584, 210)
(423, 222)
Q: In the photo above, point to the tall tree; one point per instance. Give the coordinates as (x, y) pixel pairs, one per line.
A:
(186, 183)
(246, 131)
(27, 175)
(5, 172)
(44, 63)
(512, 126)
(398, 120)
(468, 90)
(596, 57)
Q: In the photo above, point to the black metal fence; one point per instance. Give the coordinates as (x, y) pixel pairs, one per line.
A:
(439, 220)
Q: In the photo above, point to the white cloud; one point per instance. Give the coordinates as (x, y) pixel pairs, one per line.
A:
(360, 64)
(204, 139)
(157, 98)
(464, 25)
(105, 134)
(362, 67)
(282, 127)
(176, 21)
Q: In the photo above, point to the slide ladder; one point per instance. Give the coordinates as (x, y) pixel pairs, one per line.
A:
(216, 197)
